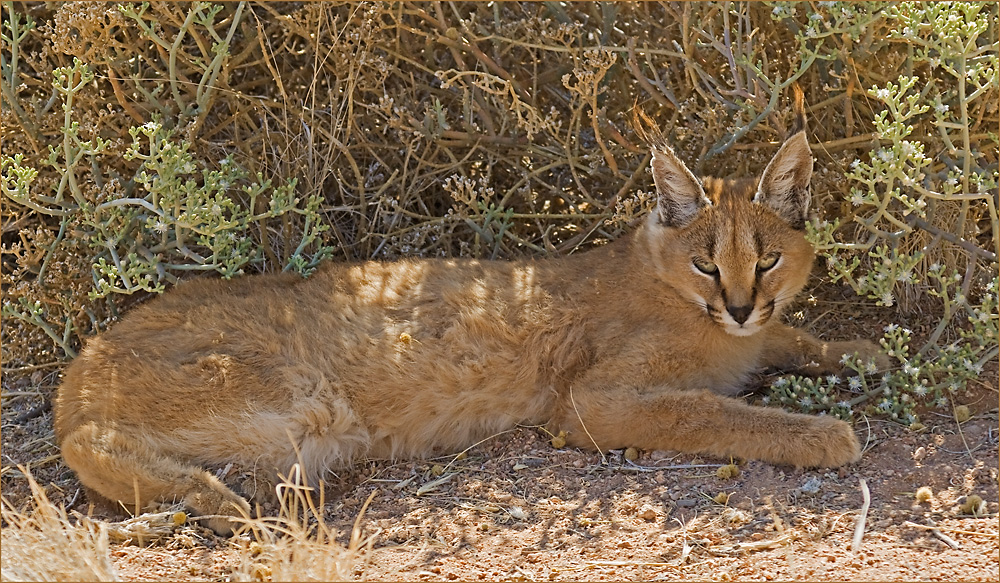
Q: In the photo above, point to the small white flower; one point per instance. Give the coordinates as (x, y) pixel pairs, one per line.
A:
(833, 379)
(844, 405)
(883, 94)
(888, 299)
(891, 328)
(160, 227)
(885, 404)
(910, 369)
(920, 390)
(806, 401)
(854, 383)
(871, 367)
(941, 108)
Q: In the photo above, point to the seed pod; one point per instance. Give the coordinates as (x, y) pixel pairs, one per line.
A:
(728, 471)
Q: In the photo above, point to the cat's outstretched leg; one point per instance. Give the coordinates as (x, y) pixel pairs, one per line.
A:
(125, 469)
(703, 422)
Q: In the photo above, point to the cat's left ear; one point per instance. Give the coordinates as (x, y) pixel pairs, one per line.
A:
(784, 186)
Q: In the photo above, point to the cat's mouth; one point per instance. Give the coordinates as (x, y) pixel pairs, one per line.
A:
(753, 324)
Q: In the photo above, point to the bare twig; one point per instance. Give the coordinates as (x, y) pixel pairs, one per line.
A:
(940, 529)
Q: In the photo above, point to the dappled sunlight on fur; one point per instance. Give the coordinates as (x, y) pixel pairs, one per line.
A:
(636, 343)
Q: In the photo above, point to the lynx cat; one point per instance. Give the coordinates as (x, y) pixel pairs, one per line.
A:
(637, 343)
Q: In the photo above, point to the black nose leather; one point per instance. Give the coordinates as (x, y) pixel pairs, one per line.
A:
(740, 313)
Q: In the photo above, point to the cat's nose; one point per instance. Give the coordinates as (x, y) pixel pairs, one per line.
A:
(740, 313)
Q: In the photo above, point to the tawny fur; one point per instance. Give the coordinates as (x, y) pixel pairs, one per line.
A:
(625, 345)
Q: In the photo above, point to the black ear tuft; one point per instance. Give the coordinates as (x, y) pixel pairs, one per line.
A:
(798, 110)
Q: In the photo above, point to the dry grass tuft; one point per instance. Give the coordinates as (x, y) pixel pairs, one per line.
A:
(297, 545)
(42, 544)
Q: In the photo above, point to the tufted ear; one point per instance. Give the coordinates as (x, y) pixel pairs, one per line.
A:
(784, 186)
(679, 195)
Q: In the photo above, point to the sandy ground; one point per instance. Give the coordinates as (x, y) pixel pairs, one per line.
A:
(517, 508)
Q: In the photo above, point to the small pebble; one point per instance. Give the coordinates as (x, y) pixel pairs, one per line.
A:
(812, 485)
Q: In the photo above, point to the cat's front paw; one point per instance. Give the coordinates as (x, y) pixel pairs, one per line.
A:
(863, 354)
(839, 446)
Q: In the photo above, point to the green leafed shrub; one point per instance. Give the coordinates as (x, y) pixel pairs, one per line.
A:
(923, 216)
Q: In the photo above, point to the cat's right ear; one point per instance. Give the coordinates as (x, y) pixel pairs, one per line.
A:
(679, 194)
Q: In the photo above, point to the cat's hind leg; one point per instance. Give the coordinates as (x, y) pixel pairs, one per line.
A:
(125, 469)
(704, 422)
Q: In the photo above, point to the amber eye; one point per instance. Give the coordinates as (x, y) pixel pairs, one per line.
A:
(706, 267)
(767, 262)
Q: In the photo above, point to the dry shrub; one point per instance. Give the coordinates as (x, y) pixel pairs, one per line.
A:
(430, 129)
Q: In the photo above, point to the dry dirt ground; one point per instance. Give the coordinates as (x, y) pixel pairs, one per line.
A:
(515, 507)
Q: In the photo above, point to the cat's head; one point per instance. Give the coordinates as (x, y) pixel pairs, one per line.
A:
(734, 247)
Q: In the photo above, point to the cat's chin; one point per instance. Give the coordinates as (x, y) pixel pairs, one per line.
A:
(742, 330)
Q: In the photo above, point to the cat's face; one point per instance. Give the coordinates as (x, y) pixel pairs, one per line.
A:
(735, 249)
